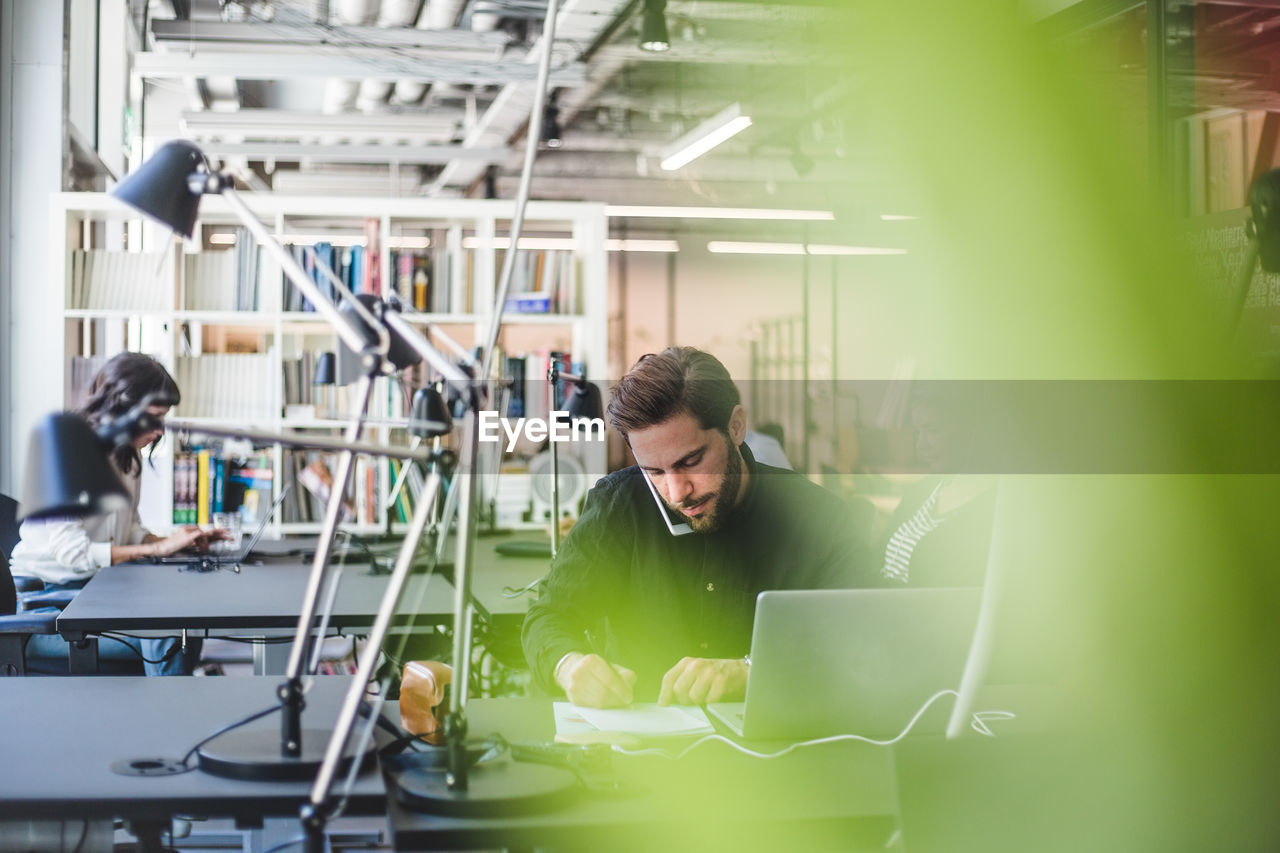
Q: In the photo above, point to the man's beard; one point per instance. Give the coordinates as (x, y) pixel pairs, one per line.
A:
(724, 497)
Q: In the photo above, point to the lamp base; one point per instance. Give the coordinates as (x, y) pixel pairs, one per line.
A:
(255, 755)
(493, 790)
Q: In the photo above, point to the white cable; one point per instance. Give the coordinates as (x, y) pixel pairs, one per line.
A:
(980, 718)
(833, 739)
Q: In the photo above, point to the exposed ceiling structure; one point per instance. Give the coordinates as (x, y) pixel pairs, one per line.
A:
(432, 98)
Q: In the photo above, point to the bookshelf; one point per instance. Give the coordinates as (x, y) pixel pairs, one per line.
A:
(241, 342)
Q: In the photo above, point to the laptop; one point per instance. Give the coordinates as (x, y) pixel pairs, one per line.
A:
(851, 661)
(209, 562)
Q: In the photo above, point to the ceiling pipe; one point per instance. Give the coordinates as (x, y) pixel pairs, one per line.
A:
(340, 94)
(579, 22)
(393, 13)
(435, 15)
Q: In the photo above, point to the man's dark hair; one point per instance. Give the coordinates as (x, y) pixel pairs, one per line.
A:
(675, 381)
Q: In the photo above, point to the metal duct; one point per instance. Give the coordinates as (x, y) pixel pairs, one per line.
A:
(340, 94)
(393, 13)
(435, 15)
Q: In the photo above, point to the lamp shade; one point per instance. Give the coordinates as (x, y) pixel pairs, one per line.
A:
(399, 353)
(653, 26)
(585, 402)
(159, 187)
(457, 400)
(1264, 199)
(430, 414)
(67, 471)
(326, 369)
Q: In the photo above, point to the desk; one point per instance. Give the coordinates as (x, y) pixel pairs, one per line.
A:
(82, 725)
(833, 797)
(146, 597)
(256, 600)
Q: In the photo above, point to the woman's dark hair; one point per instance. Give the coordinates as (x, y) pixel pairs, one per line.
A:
(119, 386)
(677, 380)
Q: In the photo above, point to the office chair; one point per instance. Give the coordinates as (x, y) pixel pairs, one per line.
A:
(9, 538)
(17, 627)
(27, 610)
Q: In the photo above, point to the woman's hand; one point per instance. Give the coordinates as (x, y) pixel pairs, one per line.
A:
(181, 539)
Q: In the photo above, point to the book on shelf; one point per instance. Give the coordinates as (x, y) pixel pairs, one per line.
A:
(543, 282)
(297, 377)
(207, 481)
(83, 370)
(108, 280)
(413, 280)
(371, 273)
(228, 386)
(317, 480)
(228, 280)
(310, 475)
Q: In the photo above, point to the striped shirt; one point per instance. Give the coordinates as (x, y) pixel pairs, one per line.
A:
(897, 554)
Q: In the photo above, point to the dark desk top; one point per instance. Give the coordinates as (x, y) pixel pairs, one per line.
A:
(145, 596)
(149, 597)
(716, 799)
(62, 734)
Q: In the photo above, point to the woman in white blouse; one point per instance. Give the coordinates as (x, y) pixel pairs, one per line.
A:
(65, 553)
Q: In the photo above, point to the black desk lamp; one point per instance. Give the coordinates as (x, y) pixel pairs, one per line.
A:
(1262, 230)
(429, 418)
(168, 188)
(325, 378)
(483, 789)
(68, 474)
(584, 403)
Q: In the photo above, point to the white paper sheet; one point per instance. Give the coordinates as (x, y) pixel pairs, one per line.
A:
(647, 719)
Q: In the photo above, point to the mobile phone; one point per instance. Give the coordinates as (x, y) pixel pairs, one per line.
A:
(678, 528)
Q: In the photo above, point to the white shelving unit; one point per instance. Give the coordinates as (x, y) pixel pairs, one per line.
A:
(461, 235)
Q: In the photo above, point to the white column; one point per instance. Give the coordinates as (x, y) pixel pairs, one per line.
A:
(31, 330)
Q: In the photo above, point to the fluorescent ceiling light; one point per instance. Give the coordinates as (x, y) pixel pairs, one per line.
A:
(640, 211)
(727, 123)
(568, 243)
(819, 249)
(728, 247)
(525, 243)
(228, 238)
(668, 246)
(892, 217)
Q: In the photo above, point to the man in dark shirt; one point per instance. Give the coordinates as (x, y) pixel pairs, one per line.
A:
(630, 610)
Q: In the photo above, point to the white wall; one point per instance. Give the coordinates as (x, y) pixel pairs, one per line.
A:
(33, 102)
(721, 299)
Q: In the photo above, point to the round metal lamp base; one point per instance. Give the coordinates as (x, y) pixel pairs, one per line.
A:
(493, 790)
(255, 755)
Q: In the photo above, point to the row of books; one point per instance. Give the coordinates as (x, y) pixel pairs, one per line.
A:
(347, 264)
(101, 279)
(231, 280)
(299, 373)
(414, 283)
(543, 282)
(227, 385)
(413, 278)
(309, 475)
(407, 498)
(206, 482)
(83, 369)
(531, 394)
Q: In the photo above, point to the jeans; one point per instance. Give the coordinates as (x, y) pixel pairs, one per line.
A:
(160, 655)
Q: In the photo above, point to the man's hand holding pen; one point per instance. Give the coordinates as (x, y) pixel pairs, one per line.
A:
(592, 681)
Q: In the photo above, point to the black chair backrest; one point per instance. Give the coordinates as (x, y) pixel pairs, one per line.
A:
(8, 524)
(8, 538)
